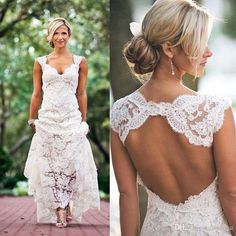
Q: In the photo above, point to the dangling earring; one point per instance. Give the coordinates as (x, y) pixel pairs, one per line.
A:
(172, 67)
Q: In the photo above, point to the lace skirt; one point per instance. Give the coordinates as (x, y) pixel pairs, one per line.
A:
(200, 215)
(60, 169)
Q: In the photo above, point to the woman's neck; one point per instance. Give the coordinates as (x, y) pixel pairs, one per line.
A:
(163, 84)
(60, 51)
(163, 74)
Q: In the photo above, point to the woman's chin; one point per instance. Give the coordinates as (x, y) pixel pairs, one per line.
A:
(201, 73)
(60, 46)
(198, 74)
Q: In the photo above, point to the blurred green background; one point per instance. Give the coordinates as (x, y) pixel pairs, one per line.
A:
(23, 29)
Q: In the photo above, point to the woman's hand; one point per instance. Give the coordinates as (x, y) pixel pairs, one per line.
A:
(84, 127)
(32, 126)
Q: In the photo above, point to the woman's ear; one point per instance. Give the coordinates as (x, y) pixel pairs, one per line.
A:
(167, 49)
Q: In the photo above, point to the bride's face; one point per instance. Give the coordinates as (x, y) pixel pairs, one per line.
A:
(184, 65)
(61, 36)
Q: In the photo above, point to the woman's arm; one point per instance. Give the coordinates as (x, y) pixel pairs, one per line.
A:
(81, 89)
(126, 176)
(225, 159)
(37, 96)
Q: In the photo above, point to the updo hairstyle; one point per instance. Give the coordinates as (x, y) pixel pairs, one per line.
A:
(181, 22)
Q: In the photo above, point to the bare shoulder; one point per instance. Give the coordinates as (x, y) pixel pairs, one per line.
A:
(84, 62)
(36, 63)
(37, 66)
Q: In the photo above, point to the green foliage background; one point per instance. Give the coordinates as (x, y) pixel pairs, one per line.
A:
(23, 29)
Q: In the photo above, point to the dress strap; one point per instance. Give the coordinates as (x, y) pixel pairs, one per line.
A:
(77, 60)
(197, 117)
(41, 61)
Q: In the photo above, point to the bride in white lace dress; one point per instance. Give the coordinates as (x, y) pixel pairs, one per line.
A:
(60, 167)
(178, 144)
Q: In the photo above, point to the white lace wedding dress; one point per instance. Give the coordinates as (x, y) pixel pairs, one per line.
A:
(60, 166)
(197, 117)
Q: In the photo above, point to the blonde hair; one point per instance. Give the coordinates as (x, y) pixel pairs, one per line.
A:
(181, 22)
(54, 25)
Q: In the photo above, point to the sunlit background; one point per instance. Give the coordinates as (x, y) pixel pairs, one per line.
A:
(23, 30)
(219, 79)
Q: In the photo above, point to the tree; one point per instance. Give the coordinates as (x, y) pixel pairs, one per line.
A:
(22, 38)
(122, 82)
(229, 25)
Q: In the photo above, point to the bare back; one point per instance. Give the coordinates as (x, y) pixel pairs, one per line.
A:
(170, 144)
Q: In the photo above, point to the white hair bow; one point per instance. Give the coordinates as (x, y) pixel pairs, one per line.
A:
(135, 28)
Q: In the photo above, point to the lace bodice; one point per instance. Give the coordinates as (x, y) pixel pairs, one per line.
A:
(59, 89)
(199, 215)
(197, 117)
(51, 78)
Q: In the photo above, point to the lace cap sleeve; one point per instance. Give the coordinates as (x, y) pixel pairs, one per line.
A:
(117, 117)
(221, 105)
(41, 61)
(199, 117)
(77, 60)
(122, 114)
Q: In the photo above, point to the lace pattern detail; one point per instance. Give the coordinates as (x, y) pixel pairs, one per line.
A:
(76, 61)
(60, 165)
(198, 117)
(51, 82)
(199, 215)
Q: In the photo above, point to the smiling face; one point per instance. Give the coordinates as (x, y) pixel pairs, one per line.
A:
(59, 32)
(60, 37)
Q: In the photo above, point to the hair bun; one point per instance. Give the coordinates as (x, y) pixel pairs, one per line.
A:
(143, 55)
